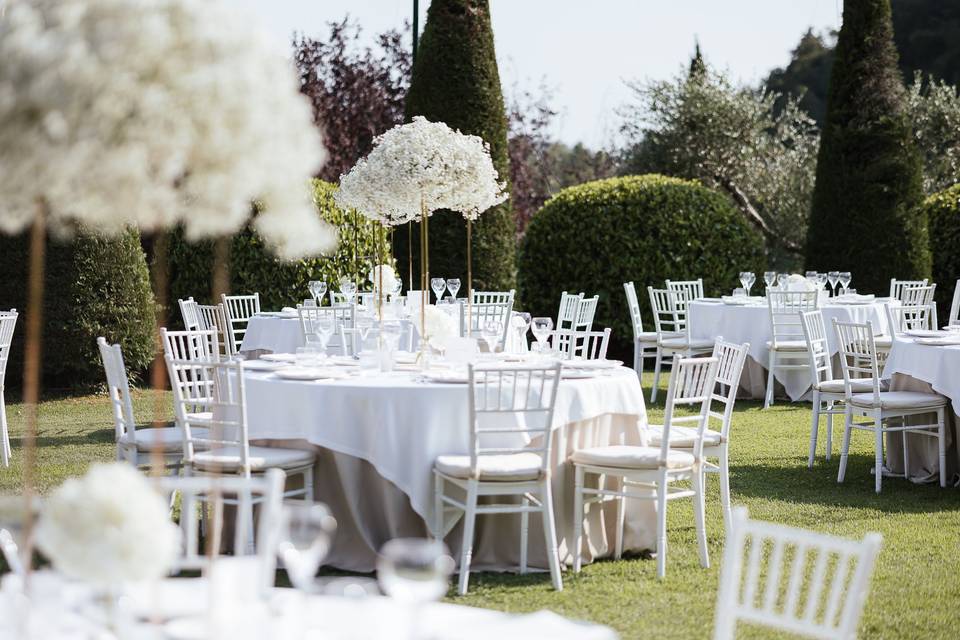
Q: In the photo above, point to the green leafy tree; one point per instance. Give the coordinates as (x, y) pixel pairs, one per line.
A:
(935, 113)
(943, 211)
(865, 216)
(456, 81)
(807, 76)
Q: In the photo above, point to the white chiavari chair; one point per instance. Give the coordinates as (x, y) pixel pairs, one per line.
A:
(188, 311)
(793, 580)
(214, 316)
(955, 306)
(689, 290)
(509, 408)
(567, 313)
(788, 347)
(574, 344)
(239, 310)
(473, 320)
(586, 311)
(902, 318)
(883, 411)
(226, 449)
(644, 342)
(8, 322)
(342, 316)
(135, 446)
(493, 297)
(212, 494)
(673, 331)
(653, 467)
(897, 287)
(731, 358)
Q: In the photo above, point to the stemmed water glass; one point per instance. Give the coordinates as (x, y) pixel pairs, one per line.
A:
(317, 289)
(821, 279)
(491, 332)
(439, 285)
(833, 277)
(811, 277)
(782, 281)
(541, 331)
(844, 278)
(306, 531)
(349, 289)
(414, 571)
(323, 328)
(769, 277)
(453, 286)
(747, 279)
(522, 329)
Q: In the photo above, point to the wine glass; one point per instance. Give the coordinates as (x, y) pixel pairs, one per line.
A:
(844, 279)
(522, 328)
(414, 570)
(349, 289)
(306, 531)
(747, 279)
(811, 277)
(541, 330)
(318, 289)
(821, 279)
(833, 277)
(323, 327)
(453, 286)
(769, 277)
(491, 332)
(782, 281)
(439, 285)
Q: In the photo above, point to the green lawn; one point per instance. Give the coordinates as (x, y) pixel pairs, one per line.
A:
(915, 591)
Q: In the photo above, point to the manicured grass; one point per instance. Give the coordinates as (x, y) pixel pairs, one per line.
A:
(915, 590)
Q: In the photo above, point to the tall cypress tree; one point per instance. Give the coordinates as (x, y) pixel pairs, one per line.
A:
(865, 216)
(456, 81)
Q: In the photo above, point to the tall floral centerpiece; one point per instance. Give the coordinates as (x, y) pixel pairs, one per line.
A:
(153, 113)
(416, 169)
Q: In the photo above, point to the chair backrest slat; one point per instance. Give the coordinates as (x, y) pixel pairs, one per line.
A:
(574, 344)
(239, 310)
(897, 287)
(688, 290)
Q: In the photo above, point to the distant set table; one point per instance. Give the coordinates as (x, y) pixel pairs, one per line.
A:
(712, 318)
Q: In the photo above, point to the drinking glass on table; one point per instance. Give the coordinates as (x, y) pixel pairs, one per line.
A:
(439, 285)
(811, 277)
(782, 281)
(491, 332)
(844, 279)
(769, 277)
(323, 327)
(833, 277)
(306, 532)
(522, 327)
(349, 290)
(541, 331)
(318, 289)
(821, 279)
(414, 570)
(396, 288)
(453, 286)
(747, 279)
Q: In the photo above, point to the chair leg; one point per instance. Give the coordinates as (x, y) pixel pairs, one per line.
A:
(878, 452)
(699, 519)
(621, 517)
(656, 375)
(814, 428)
(830, 406)
(524, 530)
(550, 536)
(437, 532)
(845, 446)
(578, 516)
(662, 527)
(4, 434)
(466, 552)
(638, 358)
(725, 487)
(308, 485)
(941, 446)
(771, 363)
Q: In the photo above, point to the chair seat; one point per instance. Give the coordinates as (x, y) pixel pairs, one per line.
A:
(631, 457)
(261, 458)
(510, 467)
(900, 400)
(683, 437)
(683, 343)
(788, 345)
(836, 386)
(883, 342)
(164, 439)
(647, 337)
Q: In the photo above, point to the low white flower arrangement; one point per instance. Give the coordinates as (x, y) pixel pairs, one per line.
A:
(435, 325)
(797, 282)
(388, 275)
(108, 527)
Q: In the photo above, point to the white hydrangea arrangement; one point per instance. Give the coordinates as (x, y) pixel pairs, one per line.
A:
(417, 168)
(797, 282)
(107, 527)
(154, 113)
(383, 276)
(435, 325)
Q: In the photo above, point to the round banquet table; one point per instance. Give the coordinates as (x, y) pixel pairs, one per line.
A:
(912, 366)
(712, 319)
(377, 436)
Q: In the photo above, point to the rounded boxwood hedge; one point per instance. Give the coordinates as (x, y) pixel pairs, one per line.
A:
(94, 286)
(943, 214)
(596, 236)
(254, 268)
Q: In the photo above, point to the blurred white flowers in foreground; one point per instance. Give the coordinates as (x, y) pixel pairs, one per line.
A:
(154, 113)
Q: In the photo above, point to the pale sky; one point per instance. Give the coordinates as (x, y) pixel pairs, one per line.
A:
(585, 50)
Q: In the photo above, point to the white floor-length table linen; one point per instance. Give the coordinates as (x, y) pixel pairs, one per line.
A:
(711, 319)
(377, 436)
(919, 367)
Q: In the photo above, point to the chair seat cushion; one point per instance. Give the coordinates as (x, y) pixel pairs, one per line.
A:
(836, 386)
(227, 458)
(510, 467)
(682, 343)
(788, 345)
(900, 400)
(647, 337)
(630, 457)
(164, 439)
(883, 342)
(682, 437)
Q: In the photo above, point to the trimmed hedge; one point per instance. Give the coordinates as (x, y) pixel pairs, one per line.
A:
(254, 268)
(94, 286)
(943, 214)
(598, 235)
(865, 214)
(455, 80)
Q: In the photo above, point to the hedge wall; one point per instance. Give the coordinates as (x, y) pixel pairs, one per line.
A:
(598, 235)
(943, 214)
(94, 286)
(254, 268)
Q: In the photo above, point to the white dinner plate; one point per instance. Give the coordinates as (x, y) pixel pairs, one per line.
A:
(309, 373)
(946, 341)
(344, 361)
(592, 364)
(576, 374)
(279, 357)
(262, 365)
(926, 333)
(405, 357)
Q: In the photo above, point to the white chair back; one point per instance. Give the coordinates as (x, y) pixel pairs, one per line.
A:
(669, 313)
(731, 358)
(8, 322)
(919, 295)
(567, 314)
(818, 349)
(692, 382)
(785, 309)
(897, 287)
(510, 409)
(239, 310)
(264, 491)
(585, 313)
(214, 316)
(574, 344)
(493, 297)
(794, 580)
(689, 290)
(901, 318)
(633, 306)
(955, 305)
(481, 313)
(118, 389)
(190, 384)
(191, 345)
(188, 311)
(310, 317)
(858, 355)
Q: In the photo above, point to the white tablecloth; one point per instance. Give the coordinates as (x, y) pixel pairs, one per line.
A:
(751, 323)
(378, 437)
